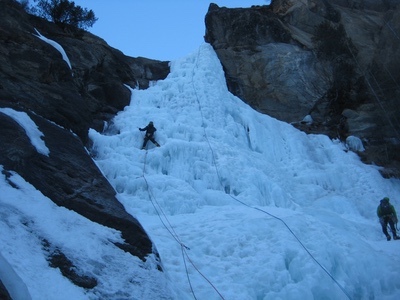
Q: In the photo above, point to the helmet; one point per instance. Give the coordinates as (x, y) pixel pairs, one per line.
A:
(386, 199)
(151, 122)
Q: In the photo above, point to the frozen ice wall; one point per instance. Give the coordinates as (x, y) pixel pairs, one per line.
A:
(267, 211)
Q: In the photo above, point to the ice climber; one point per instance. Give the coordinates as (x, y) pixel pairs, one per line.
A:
(387, 215)
(150, 129)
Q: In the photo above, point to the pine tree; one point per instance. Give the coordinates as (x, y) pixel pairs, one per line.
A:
(65, 12)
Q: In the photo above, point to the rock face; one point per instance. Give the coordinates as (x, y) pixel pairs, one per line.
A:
(86, 96)
(334, 60)
(64, 103)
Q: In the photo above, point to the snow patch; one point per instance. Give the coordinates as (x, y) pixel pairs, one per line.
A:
(34, 134)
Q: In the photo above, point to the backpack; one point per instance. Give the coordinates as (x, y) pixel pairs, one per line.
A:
(386, 209)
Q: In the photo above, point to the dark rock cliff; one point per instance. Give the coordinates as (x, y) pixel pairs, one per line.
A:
(64, 103)
(336, 61)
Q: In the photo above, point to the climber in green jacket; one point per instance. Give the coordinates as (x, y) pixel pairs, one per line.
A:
(387, 215)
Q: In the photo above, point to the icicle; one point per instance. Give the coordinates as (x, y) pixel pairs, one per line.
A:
(55, 45)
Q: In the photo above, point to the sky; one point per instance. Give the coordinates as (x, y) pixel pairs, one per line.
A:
(156, 29)
(239, 205)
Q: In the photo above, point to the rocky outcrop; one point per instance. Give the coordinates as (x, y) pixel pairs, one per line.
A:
(4, 295)
(334, 60)
(64, 103)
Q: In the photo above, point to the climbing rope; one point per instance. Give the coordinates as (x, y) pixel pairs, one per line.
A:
(392, 30)
(187, 274)
(160, 212)
(256, 208)
(198, 271)
(373, 90)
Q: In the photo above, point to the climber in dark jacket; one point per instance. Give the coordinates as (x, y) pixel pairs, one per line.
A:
(387, 215)
(150, 129)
